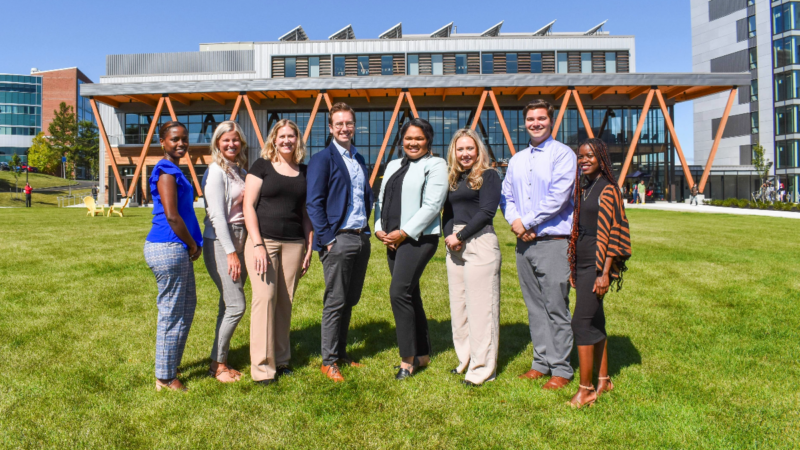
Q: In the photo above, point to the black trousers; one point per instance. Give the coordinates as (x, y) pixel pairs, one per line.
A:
(27, 200)
(344, 268)
(589, 319)
(406, 265)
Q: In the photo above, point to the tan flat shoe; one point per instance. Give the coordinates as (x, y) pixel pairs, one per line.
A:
(173, 385)
(578, 402)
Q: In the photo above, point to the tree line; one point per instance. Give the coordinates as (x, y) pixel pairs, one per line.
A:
(78, 141)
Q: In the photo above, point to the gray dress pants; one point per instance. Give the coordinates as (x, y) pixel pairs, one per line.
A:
(543, 271)
(344, 268)
(231, 293)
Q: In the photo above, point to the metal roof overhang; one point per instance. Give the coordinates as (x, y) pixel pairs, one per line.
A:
(677, 87)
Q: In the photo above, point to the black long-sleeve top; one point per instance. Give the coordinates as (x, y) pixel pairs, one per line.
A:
(470, 207)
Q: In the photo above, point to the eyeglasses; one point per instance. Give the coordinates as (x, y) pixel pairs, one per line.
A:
(340, 125)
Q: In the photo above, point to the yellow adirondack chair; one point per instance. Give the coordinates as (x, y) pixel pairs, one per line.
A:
(92, 207)
(118, 210)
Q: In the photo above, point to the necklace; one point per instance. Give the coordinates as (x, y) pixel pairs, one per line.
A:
(585, 193)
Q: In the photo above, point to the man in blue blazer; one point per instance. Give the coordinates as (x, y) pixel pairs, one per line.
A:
(339, 202)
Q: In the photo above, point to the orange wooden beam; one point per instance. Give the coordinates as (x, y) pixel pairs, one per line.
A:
(102, 129)
(187, 156)
(586, 124)
(328, 100)
(143, 99)
(180, 99)
(216, 97)
(717, 139)
(254, 97)
(478, 112)
(560, 91)
(386, 139)
(600, 90)
(674, 91)
(411, 104)
(313, 116)
(502, 122)
(638, 91)
(253, 120)
(145, 147)
(635, 141)
(664, 110)
(561, 111)
(700, 93)
(236, 107)
(108, 101)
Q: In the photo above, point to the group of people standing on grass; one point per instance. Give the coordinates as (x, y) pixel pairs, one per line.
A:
(566, 213)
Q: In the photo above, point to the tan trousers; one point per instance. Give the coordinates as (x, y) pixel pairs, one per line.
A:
(473, 274)
(271, 310)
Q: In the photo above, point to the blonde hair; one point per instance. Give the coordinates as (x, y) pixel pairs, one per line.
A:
(216, 153)
(475, 178)
(270, 152)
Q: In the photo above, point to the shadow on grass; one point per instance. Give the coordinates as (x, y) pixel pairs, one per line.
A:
(621, 354)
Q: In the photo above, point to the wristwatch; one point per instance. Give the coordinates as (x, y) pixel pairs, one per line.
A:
(459, 237)
(259, 245)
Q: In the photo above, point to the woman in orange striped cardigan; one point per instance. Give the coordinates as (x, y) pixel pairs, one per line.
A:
(599, 247)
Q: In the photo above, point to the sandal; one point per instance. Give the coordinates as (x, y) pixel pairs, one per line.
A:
(173, 385)
(604, 387)
(589, 402)
(233, 375)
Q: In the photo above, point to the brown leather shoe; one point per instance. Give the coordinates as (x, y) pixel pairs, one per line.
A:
(332, 372)
(531, 375)
(556, 383)
(350, 363)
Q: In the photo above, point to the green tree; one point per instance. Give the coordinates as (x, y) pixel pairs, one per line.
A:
(43, 156)
(88, 147)
(63, 135)
(15, 169)
(760, 163)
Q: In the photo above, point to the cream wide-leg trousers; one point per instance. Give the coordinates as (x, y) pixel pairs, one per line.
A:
(473, 274)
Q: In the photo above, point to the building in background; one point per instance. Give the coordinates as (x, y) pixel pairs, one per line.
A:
(28, 104)
(447, 73)
(762, 38)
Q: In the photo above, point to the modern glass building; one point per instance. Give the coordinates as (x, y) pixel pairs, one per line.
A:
(446, 73)
(20, 114)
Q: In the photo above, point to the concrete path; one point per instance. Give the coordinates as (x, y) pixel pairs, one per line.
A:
(683, 207)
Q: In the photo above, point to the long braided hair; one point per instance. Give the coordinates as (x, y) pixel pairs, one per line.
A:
(600, 150)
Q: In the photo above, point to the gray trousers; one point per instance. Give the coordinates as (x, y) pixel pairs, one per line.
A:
(543, 271)
(344, 268)
(231, 293)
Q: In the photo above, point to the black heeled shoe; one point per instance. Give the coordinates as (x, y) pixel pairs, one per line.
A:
(402, 373)
(455, 372)
(470, 383)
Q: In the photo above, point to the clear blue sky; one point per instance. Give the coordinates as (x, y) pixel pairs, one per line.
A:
(81, 33)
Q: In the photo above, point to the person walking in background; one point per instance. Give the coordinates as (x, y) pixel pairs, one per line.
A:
(407, 222)
(635, 194)
(694, 192)
(28, 193)
(94, 192)
(473, 256)
(224, 239)
(339, 203)
(642, 189)
(173, 244)
(538, 204)
(598, 249)
(278, 250)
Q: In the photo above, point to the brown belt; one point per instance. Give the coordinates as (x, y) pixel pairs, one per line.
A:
(549, 238)
(355, 231)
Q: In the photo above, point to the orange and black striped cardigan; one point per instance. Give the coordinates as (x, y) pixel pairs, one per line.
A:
(613, 234)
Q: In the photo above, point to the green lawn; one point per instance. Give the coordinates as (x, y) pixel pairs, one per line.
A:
(704, 349)
(37, 181)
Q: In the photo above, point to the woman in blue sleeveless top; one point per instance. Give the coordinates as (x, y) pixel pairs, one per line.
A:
(174, 242)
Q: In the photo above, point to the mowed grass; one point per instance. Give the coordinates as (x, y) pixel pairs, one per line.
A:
(37, 180)
(703, 345)
(42, 198)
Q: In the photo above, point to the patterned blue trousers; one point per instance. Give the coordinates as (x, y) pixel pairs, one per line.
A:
(177, 299)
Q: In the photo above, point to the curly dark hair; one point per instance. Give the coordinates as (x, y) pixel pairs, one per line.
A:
(600, 150)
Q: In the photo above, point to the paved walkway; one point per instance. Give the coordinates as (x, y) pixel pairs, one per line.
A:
(683, 207)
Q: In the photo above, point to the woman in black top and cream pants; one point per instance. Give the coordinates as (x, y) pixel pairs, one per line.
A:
(278, 248)
(473, 257)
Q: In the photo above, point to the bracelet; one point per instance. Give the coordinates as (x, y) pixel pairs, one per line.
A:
(260, 245)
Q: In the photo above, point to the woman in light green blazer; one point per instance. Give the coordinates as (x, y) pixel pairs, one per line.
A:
(407, 221)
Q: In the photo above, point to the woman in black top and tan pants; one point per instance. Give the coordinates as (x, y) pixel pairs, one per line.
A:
(473, 257)
(278, 249)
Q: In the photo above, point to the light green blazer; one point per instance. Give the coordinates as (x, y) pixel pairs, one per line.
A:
(424, 192)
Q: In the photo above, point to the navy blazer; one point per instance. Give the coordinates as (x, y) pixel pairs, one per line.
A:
(329, 191)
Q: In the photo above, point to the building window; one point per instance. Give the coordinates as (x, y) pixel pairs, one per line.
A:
(313, 66)
(787, 86)
(754, 90)
(786, 17)
(754, 122)
(753, 57)
(611, 62)
(387, 62)
(586, 62)
(363, 66)
(461, 64)
(562, 65)
(751, 26)
(338, 66)
(511, 63)
(487, 63)
(413, 64)
(290, 67)
(536, 63)
(437, 65)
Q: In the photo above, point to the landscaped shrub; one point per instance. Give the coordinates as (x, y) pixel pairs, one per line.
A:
(743, 203)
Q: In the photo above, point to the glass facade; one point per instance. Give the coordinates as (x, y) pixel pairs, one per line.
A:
(461, 64)
(313, 66)
(536, 63)
(201, 126)
(487, 63)
(20, 111)
(338, 66)
(413, 64)
(363, 66)
(611, 62)
(561, 63)
(84, 108)
(786, 119)
(290, 68)
(786, 17)
(437, 62)
(785, 51)
(387, 65)
(511, 63)
(787, 154)
(586, 62)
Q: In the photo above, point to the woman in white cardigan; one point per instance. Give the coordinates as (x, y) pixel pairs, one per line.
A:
(224, 239)
(407, 222)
